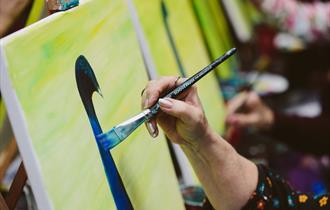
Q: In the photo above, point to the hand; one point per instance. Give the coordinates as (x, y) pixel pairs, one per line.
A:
(228, 178)
(182, 119)
(257, 114)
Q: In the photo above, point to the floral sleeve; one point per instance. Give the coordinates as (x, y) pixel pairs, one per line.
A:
(274, 193)
(310, 21)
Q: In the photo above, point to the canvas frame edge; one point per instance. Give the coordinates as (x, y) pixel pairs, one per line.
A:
(21, 133)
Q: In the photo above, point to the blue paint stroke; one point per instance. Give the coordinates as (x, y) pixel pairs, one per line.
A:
(120, 132)
(87, 85)
(68, 4)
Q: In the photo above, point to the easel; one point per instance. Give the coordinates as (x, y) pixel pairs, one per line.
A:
(33, 12)
(9, 201)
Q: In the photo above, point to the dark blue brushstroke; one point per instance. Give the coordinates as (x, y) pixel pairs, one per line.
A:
(87, 84)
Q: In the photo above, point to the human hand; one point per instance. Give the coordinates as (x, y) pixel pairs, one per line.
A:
(256, 113)
(182, 119)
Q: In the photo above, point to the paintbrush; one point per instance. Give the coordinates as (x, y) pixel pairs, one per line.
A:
(120, 132)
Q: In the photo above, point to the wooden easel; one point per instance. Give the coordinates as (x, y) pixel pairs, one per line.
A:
(9, 201)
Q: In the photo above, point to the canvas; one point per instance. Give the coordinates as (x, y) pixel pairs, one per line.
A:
(217, 38)
(215, 32)
(189, 45)
(176, 47)
(52, 129)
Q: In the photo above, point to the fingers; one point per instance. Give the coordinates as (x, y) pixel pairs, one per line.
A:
(181, 110)
(235, 103)
(150, 95)
(155, 89)
(253, 100)
(243, 120)
(152, 128)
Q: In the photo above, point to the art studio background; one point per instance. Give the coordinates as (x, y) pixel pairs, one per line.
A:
(48, 155)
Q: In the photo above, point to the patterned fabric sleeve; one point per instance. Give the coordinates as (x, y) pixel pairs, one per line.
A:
(309, 21)
(274, 193)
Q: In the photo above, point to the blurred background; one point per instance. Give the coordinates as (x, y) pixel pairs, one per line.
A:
(283, 56)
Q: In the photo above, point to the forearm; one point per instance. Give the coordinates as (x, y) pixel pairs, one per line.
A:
(228, 178)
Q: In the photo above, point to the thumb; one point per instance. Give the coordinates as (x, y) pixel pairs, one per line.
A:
(178, 109)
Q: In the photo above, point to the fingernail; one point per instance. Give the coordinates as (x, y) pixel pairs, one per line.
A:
(165, 103)
(152, 130)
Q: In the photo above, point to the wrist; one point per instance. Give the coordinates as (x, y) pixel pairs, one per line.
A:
(203, 141)
(211, 148)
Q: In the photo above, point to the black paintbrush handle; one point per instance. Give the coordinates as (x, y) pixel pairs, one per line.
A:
(192, 80)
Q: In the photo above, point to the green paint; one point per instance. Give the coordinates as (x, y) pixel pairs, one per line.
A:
(190, 46)
(41, 62)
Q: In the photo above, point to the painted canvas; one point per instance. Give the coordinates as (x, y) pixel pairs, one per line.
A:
(217, 38)
(176, 46)
(53, 133)
(242, 15)
(215, 32)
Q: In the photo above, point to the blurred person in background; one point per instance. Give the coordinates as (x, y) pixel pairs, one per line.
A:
(308, 134)
(311, 22)
(308, 70)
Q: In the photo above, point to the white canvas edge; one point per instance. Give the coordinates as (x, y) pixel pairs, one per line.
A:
(20, 129)
(42, 22)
